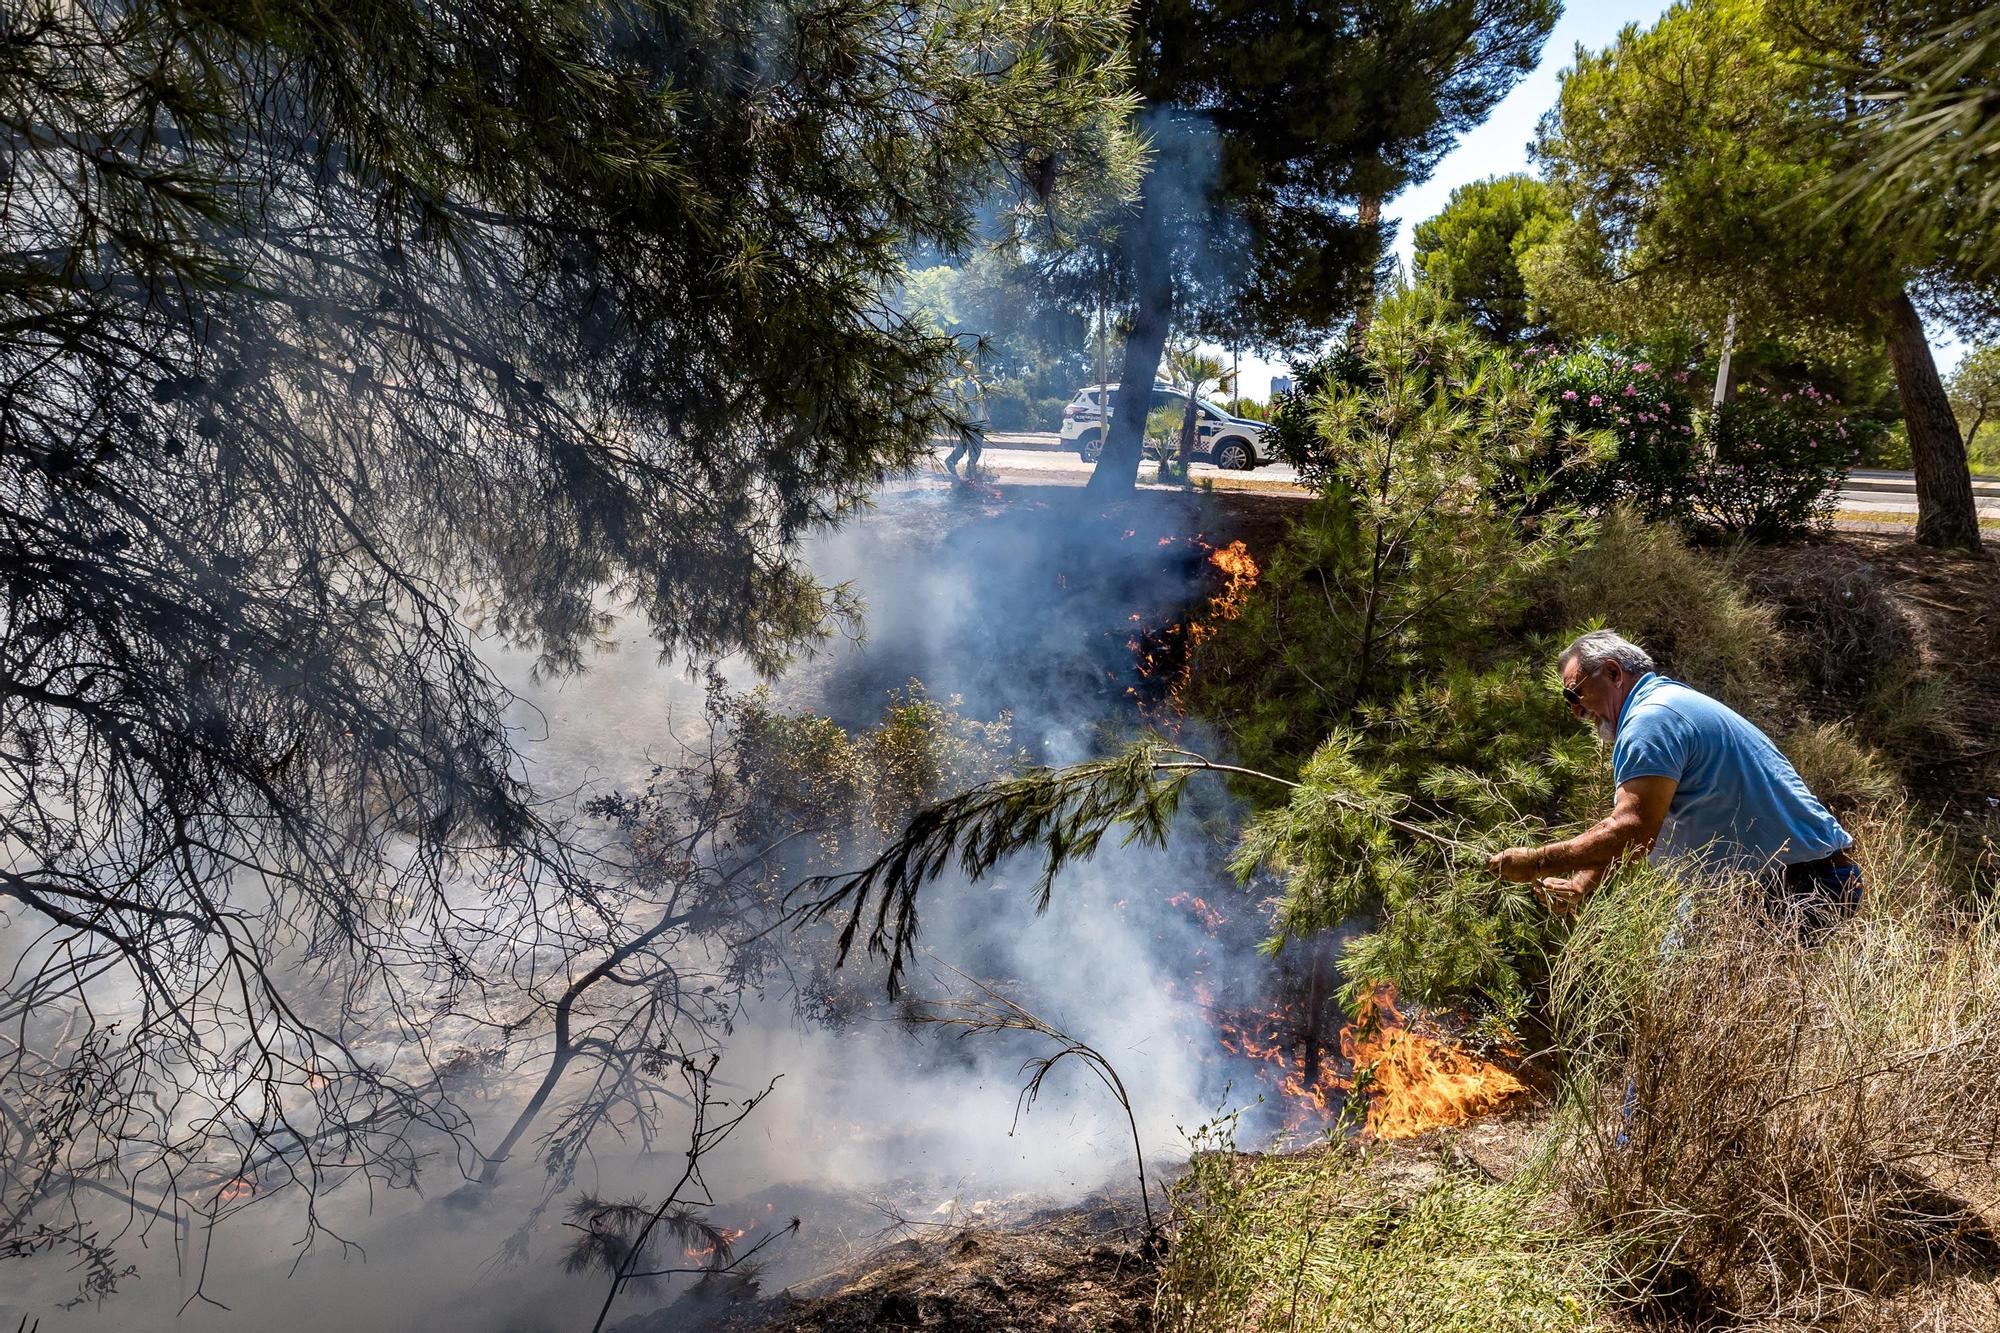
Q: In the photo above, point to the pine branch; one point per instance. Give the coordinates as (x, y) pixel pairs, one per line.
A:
(1063, 812)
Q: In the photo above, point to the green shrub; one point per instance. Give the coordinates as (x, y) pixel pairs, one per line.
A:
(1013, 405)
(1295, 436)
(1642, 410)
(1764, 467)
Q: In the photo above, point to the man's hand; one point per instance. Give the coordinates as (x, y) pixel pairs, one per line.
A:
(1563, 896)
(1516, 864)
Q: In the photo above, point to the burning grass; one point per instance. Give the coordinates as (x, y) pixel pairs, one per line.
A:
(1416, 1081)
(1784, 1136)
(1399, 1076)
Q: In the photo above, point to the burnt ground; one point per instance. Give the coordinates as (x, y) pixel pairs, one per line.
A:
(1072, 1270)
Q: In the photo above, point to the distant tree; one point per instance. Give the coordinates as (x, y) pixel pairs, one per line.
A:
(326, 334)
(1194, 372)
(1277, 133)
(1472, 251)
(1975, 391)
(1694, 159)
(1029, 352)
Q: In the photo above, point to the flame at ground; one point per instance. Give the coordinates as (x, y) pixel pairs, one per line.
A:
(1409, 1080)
(730, 1235)
(1239, 572)
(1415, 1082)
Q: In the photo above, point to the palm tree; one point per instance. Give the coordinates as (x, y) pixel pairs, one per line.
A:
(1192, 371)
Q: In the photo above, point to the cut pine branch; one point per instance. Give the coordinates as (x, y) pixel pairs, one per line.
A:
(1064, 814)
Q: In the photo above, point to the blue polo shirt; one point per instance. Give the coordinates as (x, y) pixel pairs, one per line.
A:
(1739, 805)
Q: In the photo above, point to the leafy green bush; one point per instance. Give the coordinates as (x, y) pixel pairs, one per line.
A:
(1293, 416)
(1014, 405)
(1765, 467)
(1777, 459)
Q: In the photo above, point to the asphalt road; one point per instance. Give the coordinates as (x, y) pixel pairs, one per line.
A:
(1031, 454)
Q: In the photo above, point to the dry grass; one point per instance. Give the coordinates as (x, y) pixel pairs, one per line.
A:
(1389, 1239)
(1681, 605)
(1894, 518)
(1844, 773)
(1842, 620)
(1786, 1136)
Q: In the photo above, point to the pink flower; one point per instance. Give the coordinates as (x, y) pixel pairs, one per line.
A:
(1642, 365)
(1629, 391)
(1595, 401)
(1569, 396)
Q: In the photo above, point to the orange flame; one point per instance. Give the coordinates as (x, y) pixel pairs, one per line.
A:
(730, 1235)
(1210, 917)
(1411, 1081)
(1239, 569)
(1415, 1082)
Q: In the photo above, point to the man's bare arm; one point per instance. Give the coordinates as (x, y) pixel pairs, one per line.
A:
(1630, 828)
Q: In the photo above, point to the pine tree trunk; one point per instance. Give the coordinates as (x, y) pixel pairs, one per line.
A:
(1117, 471)
(1364, 314)
(1946, 514)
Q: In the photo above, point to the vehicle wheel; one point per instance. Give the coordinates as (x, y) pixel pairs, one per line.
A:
(1235, 455)
(1088, 447)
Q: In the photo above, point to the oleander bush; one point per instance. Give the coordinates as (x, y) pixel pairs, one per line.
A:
(1774, 463)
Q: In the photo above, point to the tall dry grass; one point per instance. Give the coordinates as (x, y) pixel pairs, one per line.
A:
(1783, 1135)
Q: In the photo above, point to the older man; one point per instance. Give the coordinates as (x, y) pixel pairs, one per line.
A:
(1694, 780)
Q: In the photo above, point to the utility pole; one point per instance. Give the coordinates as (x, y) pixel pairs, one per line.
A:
(1722, 365)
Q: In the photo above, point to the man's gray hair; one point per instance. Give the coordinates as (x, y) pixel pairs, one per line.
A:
(1594, 649)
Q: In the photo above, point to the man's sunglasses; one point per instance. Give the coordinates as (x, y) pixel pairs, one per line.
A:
(1570, 696)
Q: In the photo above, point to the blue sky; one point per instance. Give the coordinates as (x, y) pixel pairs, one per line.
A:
(1500, 144)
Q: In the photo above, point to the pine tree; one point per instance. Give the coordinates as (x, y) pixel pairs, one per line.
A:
(1699, 159)
(1270, 126)
(1472, 250)
(327, 332)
